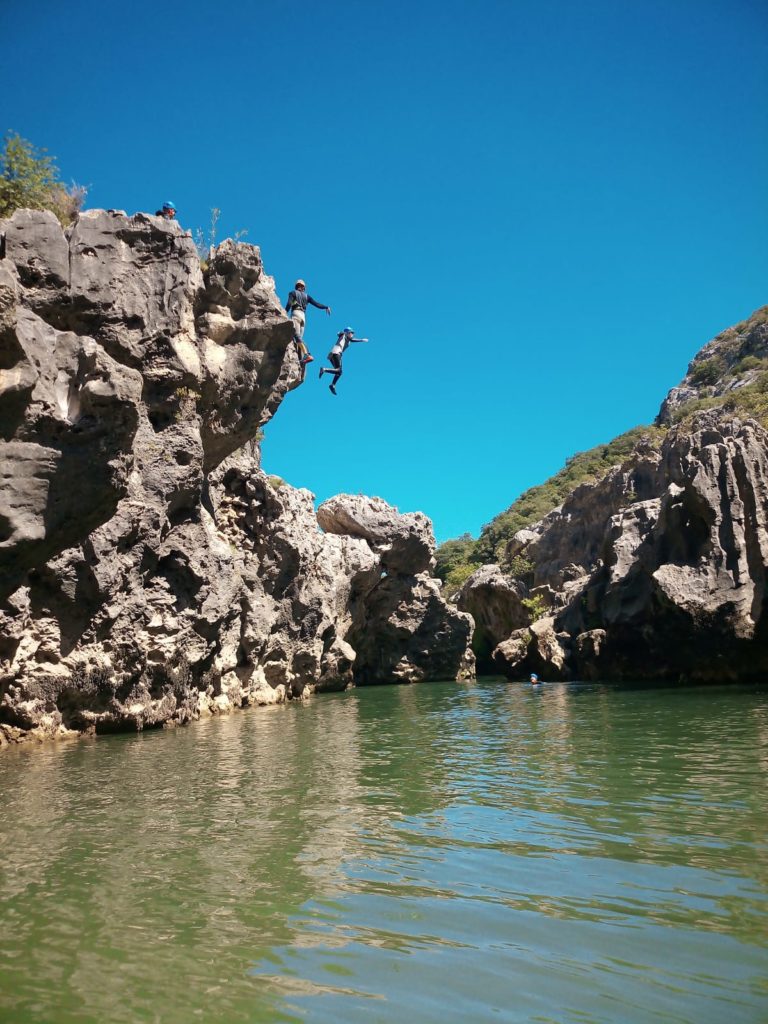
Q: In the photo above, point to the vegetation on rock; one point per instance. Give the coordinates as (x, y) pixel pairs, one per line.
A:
(29, 179)
(749, 400)
(457, 559)
(730, 372)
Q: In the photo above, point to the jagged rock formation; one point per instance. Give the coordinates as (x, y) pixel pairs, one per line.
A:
(495, 602)
(732, 361)
(657, 570)
(149, 571)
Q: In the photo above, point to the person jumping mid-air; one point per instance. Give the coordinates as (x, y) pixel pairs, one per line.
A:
(296, 308)
(344, 339)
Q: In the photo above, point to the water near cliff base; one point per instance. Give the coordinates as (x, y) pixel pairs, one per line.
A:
(436, 853)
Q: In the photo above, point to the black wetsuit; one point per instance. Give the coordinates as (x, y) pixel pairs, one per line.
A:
(334, 357)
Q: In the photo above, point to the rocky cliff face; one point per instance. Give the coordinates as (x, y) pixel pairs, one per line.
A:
(149, 571)
(657, 570)
(723, 369)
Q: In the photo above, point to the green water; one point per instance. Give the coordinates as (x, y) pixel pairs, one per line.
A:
(436, 853)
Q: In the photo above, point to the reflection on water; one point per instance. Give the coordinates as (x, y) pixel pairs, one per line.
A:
(433, 853)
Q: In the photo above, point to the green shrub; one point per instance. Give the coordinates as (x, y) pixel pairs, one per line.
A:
(186, 403)
(535, 605)
(519, 567)
(457, 577)
(452, 554)
(749, 363)
(751, 400)
(709, 371)
(29, 179)
(205, 241)
(760, 316)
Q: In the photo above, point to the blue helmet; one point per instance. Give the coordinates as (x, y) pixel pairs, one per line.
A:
(169, 205)
(348, 330)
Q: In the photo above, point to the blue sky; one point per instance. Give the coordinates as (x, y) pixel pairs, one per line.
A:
(538, 210)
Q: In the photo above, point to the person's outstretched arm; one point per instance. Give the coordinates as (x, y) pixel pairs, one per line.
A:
(358, 339)
(319, 305)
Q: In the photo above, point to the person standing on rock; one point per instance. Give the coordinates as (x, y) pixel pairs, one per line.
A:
(343, 341)
(296, 308)
(168, 211)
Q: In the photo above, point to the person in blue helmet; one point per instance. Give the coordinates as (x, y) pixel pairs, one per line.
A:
(343, 341)
(168, 211)
(535, 681)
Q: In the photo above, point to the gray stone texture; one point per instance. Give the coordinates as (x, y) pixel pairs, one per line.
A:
(150, 572)
(657, 571)
(495, 602)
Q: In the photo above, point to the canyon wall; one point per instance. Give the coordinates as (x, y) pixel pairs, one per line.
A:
(150, 571)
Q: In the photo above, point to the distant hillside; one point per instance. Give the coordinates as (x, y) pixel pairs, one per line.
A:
(730, 372)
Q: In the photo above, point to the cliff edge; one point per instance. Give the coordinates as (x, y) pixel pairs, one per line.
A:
(150, 571)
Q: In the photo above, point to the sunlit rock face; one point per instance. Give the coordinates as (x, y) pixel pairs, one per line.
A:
(681, 590)
(149, 571)
(657, 571)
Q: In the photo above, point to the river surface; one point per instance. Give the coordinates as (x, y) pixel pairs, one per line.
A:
(436, 853)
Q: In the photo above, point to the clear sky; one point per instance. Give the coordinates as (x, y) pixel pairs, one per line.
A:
(538, 210)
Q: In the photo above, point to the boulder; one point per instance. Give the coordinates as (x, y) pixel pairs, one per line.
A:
(405, 542)
(495, 602)
(673, 581)
(510, 656)
(407, 633)
(539, 648)
(67, 427)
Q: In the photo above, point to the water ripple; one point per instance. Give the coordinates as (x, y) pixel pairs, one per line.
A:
(438, 854)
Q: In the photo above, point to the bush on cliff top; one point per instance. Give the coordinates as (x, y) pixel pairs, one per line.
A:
(29, 179)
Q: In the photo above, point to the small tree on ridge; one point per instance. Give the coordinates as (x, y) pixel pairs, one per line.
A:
(29, 179)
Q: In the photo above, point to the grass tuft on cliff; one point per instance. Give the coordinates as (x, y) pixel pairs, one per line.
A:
(29, 180)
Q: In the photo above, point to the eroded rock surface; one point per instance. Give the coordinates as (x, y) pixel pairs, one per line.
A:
(149, 571)
(406, 542)
(495, 603)
(657, 571)
(735, 359)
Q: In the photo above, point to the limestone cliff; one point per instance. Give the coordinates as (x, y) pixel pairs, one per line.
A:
(149, 570)
(654, 568)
